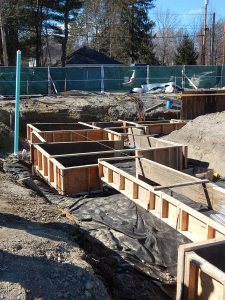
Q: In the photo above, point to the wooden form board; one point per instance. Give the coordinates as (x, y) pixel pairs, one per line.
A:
(38, 127)
(30, 129)
(137, 123)
(132, 133)
(197, 276)
(114, 133)
(197, 104)
(170, 156)
(208, 194)
(162, 128)
(69, 136)
(105, 124)
(149, 142)
(188, 221)
(80, 177)
(73, 148)
(194, 272)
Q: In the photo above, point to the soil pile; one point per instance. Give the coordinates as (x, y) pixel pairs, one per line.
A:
(39, 258)
(205, 137)
(85, 107)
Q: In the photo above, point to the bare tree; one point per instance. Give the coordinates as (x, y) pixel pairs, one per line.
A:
(165, 38)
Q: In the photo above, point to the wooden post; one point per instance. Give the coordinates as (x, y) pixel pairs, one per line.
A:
(204, 34)
(224, 44)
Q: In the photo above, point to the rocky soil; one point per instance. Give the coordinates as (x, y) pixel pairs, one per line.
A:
(39, 258)
(85, 106)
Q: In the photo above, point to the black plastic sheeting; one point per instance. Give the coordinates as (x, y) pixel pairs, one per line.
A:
(141, 238)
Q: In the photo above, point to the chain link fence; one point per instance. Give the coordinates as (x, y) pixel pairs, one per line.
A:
(106, 78)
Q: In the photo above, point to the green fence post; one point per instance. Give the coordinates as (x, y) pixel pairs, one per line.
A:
(17, 103)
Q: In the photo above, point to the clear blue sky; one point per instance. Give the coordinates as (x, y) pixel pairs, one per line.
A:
(189, 9)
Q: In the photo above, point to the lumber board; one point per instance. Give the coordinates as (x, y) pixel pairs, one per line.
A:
(183, 218)
(204, 280)
(181, 260)
(170, 156)
(75, 178)
(201, 95)
(200, 104)
(207, 193)
(163, 175)
(159, 188)
(73, 135)
(162, 128)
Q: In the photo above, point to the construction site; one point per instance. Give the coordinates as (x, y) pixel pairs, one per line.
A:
(112, 162)
(113, 195)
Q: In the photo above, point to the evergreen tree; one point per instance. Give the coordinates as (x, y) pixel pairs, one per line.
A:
(186, 53)
(137, 26)
(64, 12)
(120, 29)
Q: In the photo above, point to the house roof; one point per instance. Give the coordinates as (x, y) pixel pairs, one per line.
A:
(87, 55)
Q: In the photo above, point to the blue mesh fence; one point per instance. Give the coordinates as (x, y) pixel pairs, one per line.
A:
(106, 78)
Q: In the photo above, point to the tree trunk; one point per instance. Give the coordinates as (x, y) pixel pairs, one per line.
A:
(4, 46)
(66, 33)
(38, 30)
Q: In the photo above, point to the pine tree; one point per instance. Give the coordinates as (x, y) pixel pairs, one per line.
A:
(186, 53)
(63, 13)
(119, 28)
(137, 26)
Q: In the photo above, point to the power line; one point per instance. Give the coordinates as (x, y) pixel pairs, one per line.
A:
(181, 14)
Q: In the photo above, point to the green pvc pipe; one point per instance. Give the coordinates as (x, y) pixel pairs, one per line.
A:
(17, 103)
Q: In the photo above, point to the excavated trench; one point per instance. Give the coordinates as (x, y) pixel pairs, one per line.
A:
(133, 252)
(120, 241)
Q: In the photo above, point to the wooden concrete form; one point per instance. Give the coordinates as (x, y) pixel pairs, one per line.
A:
(80, 167)
(39, 127)
(105, 124)
(119, 133)
(191, 223)
(170, 156)
(68, 136)
(161, 128)
(200, 272)
(201, 102)
(75, 172)
(207, 193)
(49, 150)
(157, 127)
(175, 158)
(132, 133)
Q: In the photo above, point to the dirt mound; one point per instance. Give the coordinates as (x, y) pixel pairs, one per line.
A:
(205, 137)
(39, 258)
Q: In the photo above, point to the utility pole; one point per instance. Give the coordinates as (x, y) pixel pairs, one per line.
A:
(224, 44)
(4, 48)
(204, 33)
(213, 40)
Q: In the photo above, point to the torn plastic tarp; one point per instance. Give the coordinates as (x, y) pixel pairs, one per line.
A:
(143, 240)
(168, 87)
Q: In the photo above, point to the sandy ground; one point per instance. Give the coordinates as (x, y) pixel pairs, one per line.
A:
(85, 107)
(205, 139)
(38, 256)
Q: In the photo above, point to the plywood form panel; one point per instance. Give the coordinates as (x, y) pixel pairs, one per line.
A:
(202, 280)
(190, 222)
(82, 179)
(163, 175)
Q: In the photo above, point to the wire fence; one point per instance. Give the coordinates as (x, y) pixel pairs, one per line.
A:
(106, 78)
